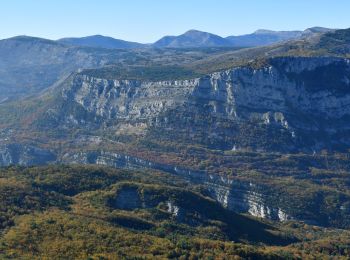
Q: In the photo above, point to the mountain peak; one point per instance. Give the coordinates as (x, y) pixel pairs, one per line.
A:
(28, 39)
(263, 31)
(318, 29)
(192, 38)
(100, 41)
(263, 37)
(193, 31)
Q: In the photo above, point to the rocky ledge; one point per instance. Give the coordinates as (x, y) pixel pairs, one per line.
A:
(306, 99)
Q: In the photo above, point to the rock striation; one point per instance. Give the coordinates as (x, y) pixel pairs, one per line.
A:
(235, 195)
(25, 155)
(299, 103)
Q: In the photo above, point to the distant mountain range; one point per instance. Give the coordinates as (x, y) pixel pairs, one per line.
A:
(196, 39)
(31, 64)
(267, 37)
(100, 41)
(201, 138)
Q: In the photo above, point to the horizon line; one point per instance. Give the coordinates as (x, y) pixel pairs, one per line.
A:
(168, 35)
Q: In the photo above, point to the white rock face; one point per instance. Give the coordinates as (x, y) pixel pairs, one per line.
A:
(221, 194)
(282, 215)
(232, 194)
(256, 207)
(247, 198)
(297, 95)
(129, 99)
(269, 89)
(173, 209)
(270, 93)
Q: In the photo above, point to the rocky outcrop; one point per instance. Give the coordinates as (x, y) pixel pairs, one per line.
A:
(26, 155)
(240, 195)
(247, 197)
(300, 103)
(235, 195)
(127, 99)
(173, 209)
(128, 199)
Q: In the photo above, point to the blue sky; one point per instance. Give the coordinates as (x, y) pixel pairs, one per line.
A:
(148, 20)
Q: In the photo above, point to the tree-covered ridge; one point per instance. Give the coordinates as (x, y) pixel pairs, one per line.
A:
(148, 73)
(89, 211)
(165, 217)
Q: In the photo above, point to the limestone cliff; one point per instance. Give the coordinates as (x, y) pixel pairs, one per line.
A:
(25, 155)
(235, 194)
(299, 103)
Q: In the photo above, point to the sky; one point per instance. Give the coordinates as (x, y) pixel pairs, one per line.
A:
(148, 20)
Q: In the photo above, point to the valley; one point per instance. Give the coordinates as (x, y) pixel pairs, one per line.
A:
(176, 151)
